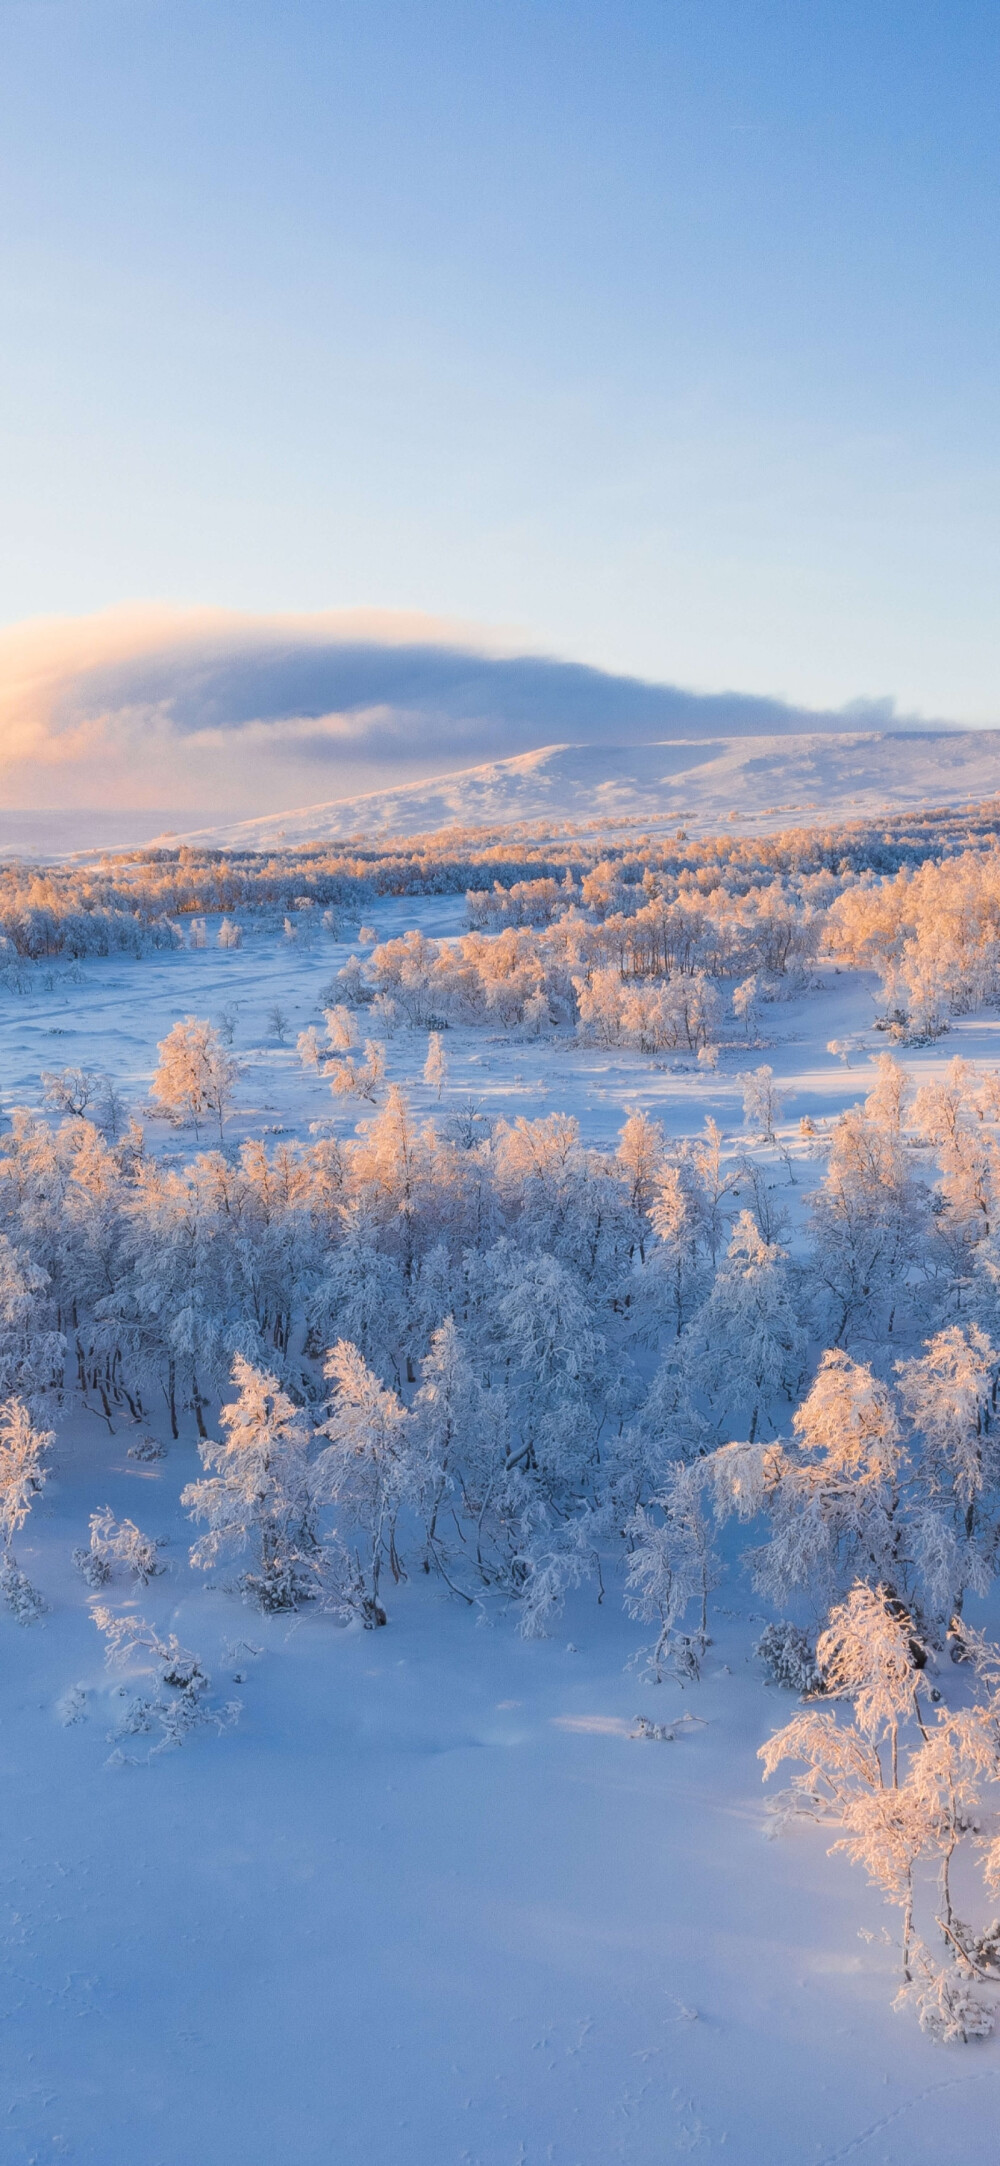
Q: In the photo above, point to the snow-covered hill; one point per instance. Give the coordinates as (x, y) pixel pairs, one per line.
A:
(767, 782)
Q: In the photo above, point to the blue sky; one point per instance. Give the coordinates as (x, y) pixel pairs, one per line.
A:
(662, 332)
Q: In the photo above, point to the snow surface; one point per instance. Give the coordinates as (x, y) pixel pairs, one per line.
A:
(428, 1903)
(764, 783)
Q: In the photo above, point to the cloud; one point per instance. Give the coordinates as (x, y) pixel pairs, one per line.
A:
(215, 712)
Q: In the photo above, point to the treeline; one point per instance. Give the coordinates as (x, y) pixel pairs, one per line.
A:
(126, 902)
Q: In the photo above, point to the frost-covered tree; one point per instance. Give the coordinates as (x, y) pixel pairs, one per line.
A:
(358, 1079)
(671, 1565)
(867, 1655)
(195, 1076)
(445, 1412)
(261, 1494)
(746, 999)
(908, 1789)
(763, 1104)
(341, 1030)
(554, 1362)
(886, 1100)
(870, 1228)
(436, 1064)
(832, 1496)
(948, 1394)
(744, 1348)
(369, 1469)
(69, 1090)
(31, 1352)
(710, 1183)
(673, 1270)
(117, 1543)
(23, 1453)
(640, 1158)
(179, 1702)
(307, 1046)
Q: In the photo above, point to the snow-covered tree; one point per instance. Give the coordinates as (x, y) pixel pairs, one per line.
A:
(846, 1777)
(368, 1468)
(671, 1565)
(904, 1790)
(746, 998)
(948, 1394)
(180, 1700)
(673, 1259)
(832, 1497)
(31, 1352)
(195, 1076)
(69, 1090)
(445, 1412)
(358, 1079)
(744, 1348)
(762, 1103)
(261, 1493)
(870, 1227)
(341, 1029)
(117, 1543)
(436, 1064)
(23, 1452)
(307, 1046)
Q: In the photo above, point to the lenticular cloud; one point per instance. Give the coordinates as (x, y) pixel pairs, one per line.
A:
(214, 711)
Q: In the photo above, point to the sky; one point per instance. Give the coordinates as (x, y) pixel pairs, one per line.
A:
(659, 335)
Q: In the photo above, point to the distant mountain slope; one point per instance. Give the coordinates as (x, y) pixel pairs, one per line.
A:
(768, 782)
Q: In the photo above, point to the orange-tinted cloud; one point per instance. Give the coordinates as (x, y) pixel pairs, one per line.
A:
(214, 712)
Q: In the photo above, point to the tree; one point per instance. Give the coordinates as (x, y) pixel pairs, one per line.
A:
(870, 1227)
(31, 1357)
(762, 1103)
(845, 1778)
(119, 1543)
(353, 1079)
(340, 1029)
(445, 1412)
(69, 1090)
(555, 1364)
(367, 1468)
(745, 1000)
(673, 1260)
(832, 1498)
(308, 1048)
(195, 1075)
(744, 1347)
(640, 1160)
(671, 1565)
(436, 1064)
(948, 1394)
(262, 1493)
(904, 1789)
(23, 1451)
